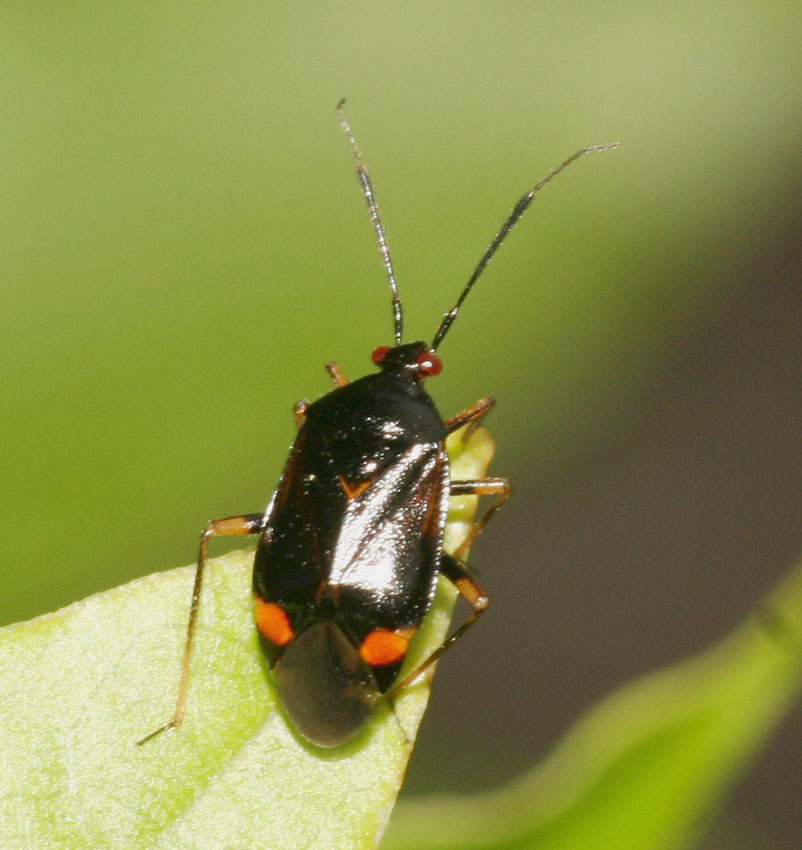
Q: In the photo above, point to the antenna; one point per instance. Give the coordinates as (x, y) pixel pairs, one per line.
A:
(517, 211)
(375, 217)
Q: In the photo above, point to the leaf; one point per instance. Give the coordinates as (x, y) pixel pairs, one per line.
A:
(80, 686)
(648, 764)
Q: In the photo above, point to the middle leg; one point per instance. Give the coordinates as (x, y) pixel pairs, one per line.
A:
(498, 487)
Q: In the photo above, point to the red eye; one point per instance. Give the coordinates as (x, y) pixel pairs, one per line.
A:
(429, 364)
(379, 353)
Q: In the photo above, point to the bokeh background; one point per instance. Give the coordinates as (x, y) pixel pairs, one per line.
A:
(184, 246)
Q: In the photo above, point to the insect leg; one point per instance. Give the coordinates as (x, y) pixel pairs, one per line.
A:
(473, 414)
(460, 575)
(499, 487)
(337, 375)
(230, 526)
(299, 412)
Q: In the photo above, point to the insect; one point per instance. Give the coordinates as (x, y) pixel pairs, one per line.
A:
(351, 544)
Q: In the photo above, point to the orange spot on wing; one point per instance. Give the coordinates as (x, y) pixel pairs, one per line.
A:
(384, 646)
(272, 621)
(353, 488)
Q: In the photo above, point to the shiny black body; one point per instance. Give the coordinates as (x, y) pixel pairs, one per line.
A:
(353, 535)
(378, 552)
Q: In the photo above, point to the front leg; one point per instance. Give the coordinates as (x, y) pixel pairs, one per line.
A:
(473, 414)
(336, 373)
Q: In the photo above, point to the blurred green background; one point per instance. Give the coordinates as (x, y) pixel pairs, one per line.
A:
(185, 245)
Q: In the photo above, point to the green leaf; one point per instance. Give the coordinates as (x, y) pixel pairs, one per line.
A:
(650, 763)
(80, 686)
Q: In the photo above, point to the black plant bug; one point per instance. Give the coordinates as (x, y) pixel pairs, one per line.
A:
(351, 545)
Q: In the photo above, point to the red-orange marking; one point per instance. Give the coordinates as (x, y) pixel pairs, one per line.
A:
(384, 646)
(352, 490)
(272, 621)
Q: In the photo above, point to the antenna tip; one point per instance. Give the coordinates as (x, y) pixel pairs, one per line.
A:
(340, 104)
(610, 146)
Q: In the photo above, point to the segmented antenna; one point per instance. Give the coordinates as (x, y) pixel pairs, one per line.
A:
(517, 211)
(378, 225)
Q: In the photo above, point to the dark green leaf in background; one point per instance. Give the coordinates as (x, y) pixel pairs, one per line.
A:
(647, 768)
